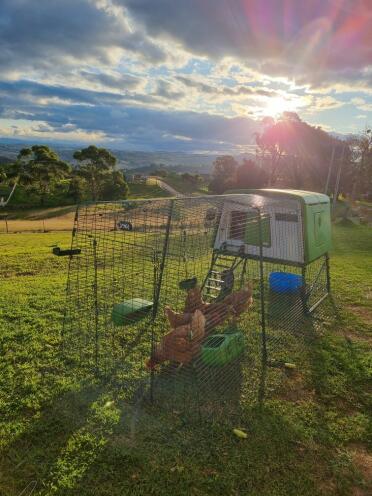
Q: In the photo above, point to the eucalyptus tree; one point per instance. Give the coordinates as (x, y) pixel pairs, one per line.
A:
(96, 165)
(39, 168)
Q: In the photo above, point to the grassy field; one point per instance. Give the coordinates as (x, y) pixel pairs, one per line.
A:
(183, 186)
(61, 436)
(61, 218)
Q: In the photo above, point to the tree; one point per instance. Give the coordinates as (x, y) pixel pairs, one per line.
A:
(224, 174)
(115, 186)
(77, 188)
(159, 172)
(39, 168)
(295, 154)
(270, 149)
(95, 165)
(3, 174)
(191, 178)
(250, 175)
(362, 163)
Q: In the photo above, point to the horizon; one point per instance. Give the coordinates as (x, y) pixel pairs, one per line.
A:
(132, 75)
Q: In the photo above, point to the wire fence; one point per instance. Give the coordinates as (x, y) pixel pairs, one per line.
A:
(181, 301)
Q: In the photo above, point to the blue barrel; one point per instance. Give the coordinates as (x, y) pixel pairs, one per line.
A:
(285, 282)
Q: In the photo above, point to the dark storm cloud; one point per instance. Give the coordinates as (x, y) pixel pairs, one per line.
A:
(42, 34)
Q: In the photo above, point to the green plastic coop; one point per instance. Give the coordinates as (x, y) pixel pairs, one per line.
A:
(295, 226)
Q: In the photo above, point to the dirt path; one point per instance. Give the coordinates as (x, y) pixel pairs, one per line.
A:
(62, 223)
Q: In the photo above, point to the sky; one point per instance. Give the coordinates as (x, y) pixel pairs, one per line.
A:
(181, 75)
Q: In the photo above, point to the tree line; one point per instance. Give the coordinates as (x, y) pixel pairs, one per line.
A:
(39, 172)
(293, 154)
(289, 154)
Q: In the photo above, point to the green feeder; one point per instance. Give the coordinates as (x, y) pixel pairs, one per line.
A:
(220, 349)
(129, 311)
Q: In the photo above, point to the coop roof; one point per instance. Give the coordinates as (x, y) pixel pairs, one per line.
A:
(305, 197)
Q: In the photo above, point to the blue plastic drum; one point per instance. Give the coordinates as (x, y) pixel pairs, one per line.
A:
(285, 282)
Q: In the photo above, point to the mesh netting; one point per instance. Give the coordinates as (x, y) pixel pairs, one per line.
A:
(185, 301)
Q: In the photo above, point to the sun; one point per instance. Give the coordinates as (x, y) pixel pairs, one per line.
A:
(277, 105)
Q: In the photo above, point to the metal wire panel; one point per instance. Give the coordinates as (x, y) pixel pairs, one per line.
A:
(174, 298)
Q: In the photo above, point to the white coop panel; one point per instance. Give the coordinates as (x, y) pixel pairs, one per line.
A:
(281, 228)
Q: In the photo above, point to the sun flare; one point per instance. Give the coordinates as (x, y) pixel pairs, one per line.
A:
(277, 105)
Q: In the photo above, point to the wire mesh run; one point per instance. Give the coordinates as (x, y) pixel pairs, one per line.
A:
(184, 301)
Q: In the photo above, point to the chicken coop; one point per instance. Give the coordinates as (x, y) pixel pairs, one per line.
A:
(187, 299)
(296, 227)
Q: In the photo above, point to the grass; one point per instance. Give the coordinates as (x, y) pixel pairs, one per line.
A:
(66, 437)
(61, 218)
(364, 203)
(146, 190)
(185, 187)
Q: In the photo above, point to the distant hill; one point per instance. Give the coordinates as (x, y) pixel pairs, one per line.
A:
(5, 160)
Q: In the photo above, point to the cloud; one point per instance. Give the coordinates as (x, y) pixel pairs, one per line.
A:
(132, 70)
(229, 91)
(358, 101)
(23, 91)
(115, 81)
(327, 102)
(43, 35)
(70, 112)
(164, 90)
(361, 104)
(279, 38)
(199, 85)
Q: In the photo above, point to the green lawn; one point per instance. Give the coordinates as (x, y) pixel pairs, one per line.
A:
(61, 436)
(185, 187)
(143, 190)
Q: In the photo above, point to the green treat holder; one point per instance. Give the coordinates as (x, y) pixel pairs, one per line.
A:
(129, 311)
(221, 349)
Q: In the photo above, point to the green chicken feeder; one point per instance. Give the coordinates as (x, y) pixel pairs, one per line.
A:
(129, 311)
(221, 349)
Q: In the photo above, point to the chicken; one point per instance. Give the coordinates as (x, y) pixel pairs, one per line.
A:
(182, 343)
(189, 328)
(216, 313)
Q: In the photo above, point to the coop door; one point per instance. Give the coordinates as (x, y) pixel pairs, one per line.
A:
(252, 230)
(245, 227)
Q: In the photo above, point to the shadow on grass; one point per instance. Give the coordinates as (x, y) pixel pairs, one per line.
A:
(31, 455)
(168, 456)
(93, 443)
